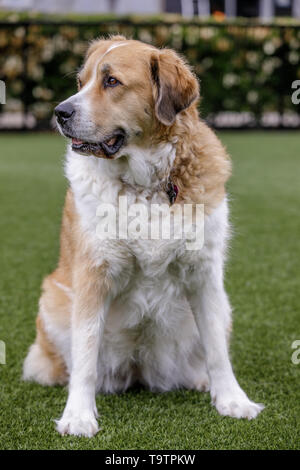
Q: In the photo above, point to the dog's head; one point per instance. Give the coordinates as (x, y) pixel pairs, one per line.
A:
(125, 88)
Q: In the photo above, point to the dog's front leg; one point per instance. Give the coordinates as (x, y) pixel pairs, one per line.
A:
(211, 310)
(91, 304)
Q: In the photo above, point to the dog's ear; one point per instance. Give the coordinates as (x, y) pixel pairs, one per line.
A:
(175, 86)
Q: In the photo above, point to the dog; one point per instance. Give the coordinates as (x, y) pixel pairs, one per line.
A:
(117, 312)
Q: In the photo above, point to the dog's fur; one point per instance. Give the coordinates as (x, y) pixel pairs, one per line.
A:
(116, 312)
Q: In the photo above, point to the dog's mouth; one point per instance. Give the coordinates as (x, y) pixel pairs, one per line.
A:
(107, 148)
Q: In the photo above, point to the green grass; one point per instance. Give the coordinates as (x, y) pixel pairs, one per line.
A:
(263, 277)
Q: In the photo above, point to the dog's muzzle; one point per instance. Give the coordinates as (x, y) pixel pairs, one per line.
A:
(106, 148)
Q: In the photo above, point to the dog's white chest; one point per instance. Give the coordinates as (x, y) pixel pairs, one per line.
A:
(97, 188)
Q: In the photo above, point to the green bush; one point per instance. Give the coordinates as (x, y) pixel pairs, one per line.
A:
(241, 67)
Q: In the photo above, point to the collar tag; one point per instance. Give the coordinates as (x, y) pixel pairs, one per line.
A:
(172, 192)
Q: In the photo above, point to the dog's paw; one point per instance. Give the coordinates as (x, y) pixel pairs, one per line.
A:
(238, 406)
(84, 424)
(202, 384)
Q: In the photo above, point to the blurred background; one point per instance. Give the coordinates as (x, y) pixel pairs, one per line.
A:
(245, 53)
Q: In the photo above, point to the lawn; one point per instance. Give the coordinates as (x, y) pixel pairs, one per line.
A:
(263, 278)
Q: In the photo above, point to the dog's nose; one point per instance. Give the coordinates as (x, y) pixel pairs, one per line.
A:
(64, 111)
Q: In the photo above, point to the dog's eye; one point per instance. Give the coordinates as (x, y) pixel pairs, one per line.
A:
(112, 81)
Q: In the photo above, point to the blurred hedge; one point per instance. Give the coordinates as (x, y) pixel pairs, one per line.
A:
(241, 67)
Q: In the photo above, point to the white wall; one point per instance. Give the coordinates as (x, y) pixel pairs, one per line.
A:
(139, 6)
(86, 6)
(296, 8)
(266, 9)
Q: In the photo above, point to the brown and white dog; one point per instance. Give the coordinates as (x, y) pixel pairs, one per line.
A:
(116, 312)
